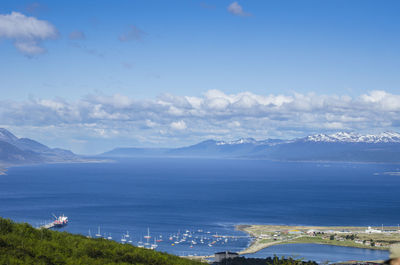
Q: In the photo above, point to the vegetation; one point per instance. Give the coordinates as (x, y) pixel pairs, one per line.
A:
(23, 244)
(328, 241)
(268, 261)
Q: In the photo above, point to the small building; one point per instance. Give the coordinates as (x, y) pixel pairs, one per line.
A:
(313, 231)
(295, 232)
(371, 230)
(220, 256)
(264, 236)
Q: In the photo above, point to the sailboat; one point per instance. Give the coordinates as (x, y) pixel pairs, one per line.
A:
(89, 234)
(123, 240)
(140, 244)
(148, 234)
(147, 237)
(127, 234)
(109, 237)
(98, 232)
(154, 246)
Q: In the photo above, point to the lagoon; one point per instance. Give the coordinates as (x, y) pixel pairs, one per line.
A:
(321, 253)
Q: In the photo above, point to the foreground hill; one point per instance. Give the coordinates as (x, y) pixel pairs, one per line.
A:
(339, 147)
(23, 244)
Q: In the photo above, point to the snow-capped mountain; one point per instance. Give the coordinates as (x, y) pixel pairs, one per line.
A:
(344, 137)
(238, 141)
(341, 146)
(250, 141)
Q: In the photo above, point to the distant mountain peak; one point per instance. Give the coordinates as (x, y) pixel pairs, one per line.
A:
(238, 141)
(351, 137)
(7, 136)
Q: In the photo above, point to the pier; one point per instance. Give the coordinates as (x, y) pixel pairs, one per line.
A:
(47, 226)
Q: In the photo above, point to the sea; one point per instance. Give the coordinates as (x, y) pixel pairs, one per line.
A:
(168, 198)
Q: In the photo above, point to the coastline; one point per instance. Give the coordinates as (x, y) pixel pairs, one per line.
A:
(4, 168)
(264, 236)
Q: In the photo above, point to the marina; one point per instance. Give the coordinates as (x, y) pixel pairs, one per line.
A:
(188, 241)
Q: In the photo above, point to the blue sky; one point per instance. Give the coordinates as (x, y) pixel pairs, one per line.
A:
(146, 53)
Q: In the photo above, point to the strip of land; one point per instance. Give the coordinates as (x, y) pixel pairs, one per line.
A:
(3, 171)
(265, 236)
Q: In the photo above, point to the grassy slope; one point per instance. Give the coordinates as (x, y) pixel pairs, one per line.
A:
(23, 244)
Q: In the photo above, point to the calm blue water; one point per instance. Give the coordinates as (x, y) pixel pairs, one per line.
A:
(320, 253)
(171, 195)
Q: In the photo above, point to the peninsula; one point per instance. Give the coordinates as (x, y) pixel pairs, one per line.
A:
(348, 236)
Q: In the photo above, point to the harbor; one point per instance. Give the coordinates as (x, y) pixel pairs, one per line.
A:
(189, 242)
(200, 244)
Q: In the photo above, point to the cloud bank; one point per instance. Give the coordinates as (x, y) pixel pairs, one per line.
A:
(27, 33)
(176, 120)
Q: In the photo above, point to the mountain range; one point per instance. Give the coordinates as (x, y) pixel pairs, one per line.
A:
(19, 151)
(340, 147)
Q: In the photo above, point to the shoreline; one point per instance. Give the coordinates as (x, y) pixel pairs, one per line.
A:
(264, 236)
(4, 168)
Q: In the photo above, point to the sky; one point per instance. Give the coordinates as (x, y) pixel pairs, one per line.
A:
(93, 75)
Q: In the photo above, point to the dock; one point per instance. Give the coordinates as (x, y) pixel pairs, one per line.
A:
(47, 226)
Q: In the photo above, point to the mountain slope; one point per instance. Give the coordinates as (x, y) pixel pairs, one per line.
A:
(10, 154)
(332, 151)
(17, 151)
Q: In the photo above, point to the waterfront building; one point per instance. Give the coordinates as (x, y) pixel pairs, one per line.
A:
(220, 256)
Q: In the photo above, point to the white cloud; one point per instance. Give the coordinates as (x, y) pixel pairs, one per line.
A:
(237, 9)
(177, 120)
(178, 125)
(26, 32)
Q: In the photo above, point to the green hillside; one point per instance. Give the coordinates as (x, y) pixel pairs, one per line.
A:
(23, 244)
